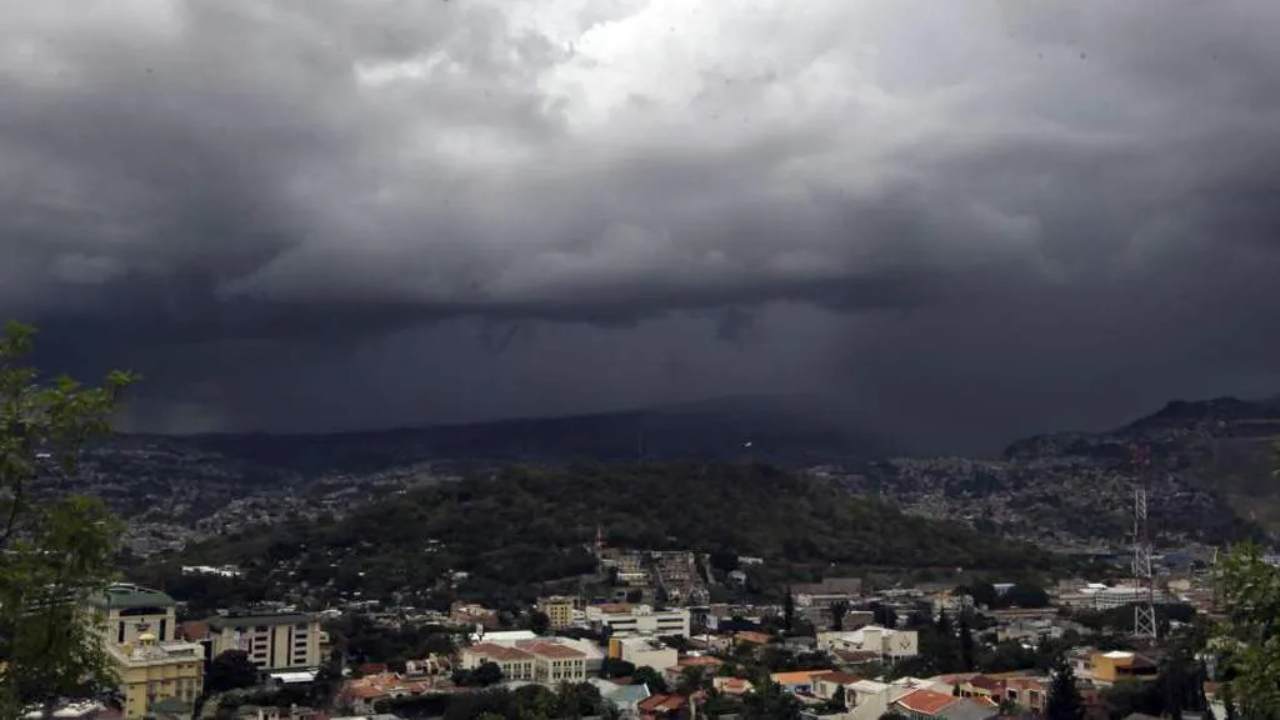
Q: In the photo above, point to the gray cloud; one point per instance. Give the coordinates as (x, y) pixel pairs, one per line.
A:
(969, 220)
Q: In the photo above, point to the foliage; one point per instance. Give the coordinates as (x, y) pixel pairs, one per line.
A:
(1249, 638)
(54, 554)
(612, 667)
(770, 702)
(484, 675)
(231, 670)
(839, 609)
(530, 702)
(539, 622)
(645, 675)
(1064, 701)
(793, 520)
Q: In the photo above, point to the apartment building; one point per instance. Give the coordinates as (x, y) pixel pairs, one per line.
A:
(626, 620)
(558, 609)
(273, 641)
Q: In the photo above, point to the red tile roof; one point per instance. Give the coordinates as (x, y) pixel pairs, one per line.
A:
(554, 650)
(499, 652)
(662, 703)
(839, 678)
(926, 702)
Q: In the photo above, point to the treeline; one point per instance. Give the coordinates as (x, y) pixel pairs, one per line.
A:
(526, 525)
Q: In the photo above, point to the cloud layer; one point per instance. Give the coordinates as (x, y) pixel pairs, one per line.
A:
(971, 219)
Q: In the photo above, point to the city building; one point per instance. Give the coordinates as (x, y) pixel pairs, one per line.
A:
(138, 626)
(273, 640)
(1117, 665)
(558, 609)
(131, 611)
(886, 642)
(643, 651)
(544, 662)
(626, 620)
(152, 672)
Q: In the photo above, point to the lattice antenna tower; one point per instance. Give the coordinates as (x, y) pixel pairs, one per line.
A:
(1144, 611)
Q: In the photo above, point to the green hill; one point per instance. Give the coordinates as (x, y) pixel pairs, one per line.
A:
(526, 525)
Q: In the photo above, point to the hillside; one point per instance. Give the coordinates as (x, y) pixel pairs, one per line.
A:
(525, 525)
(1210, 476)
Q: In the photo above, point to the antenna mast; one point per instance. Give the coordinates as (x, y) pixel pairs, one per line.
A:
(1144, 611)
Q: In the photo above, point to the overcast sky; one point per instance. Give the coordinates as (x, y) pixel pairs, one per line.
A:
(969, 220)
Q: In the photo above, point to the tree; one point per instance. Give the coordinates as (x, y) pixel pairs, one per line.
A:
(616, 668)
(1249, 638)
(1064, 701)
(788, 609)
(839, 700)
(230, 670)
(487, 674)
(649, 677)
(884, 615)
(693, 679)
(839, 609)
(539, 622)
(966, 644)
(770, 702)
(54, 555)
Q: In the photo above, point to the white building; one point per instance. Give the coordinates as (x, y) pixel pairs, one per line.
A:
(623, 620)
(872, 638)
(644, 651)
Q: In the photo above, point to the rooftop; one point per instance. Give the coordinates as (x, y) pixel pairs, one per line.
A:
(926, 702)
(261, 618)
(125, 595)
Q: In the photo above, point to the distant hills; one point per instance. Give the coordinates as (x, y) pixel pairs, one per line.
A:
(788, 431)
(1212, 461)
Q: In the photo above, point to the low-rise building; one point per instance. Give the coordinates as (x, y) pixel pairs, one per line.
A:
(626, 620)
(644, 652)
(1118, 665)
(887, 642)
(126, 612)
(544, 662)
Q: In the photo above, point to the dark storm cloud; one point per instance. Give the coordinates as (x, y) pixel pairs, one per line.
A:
(319, 214)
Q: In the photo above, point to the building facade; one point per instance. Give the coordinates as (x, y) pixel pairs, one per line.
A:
(558, 609)
(624, 620)
(138, 626)
(273, 641)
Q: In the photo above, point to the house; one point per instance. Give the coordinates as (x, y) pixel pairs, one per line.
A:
(361, 693)
(798, 681)
(708, 664)
(827, 684)
(461, 613)
(884, 642)
(869, 699)
(751, 637)
(732, 685)
(1031, 693)
(924, 704)
(656, 707)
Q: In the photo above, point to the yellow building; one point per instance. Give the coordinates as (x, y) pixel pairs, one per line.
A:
(129, 611)
(558, 609)
(151, 671)
(273, 641)
(138, 626)
(1112, 667)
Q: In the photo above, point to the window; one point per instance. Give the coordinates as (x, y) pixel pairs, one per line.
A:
(120, 633)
